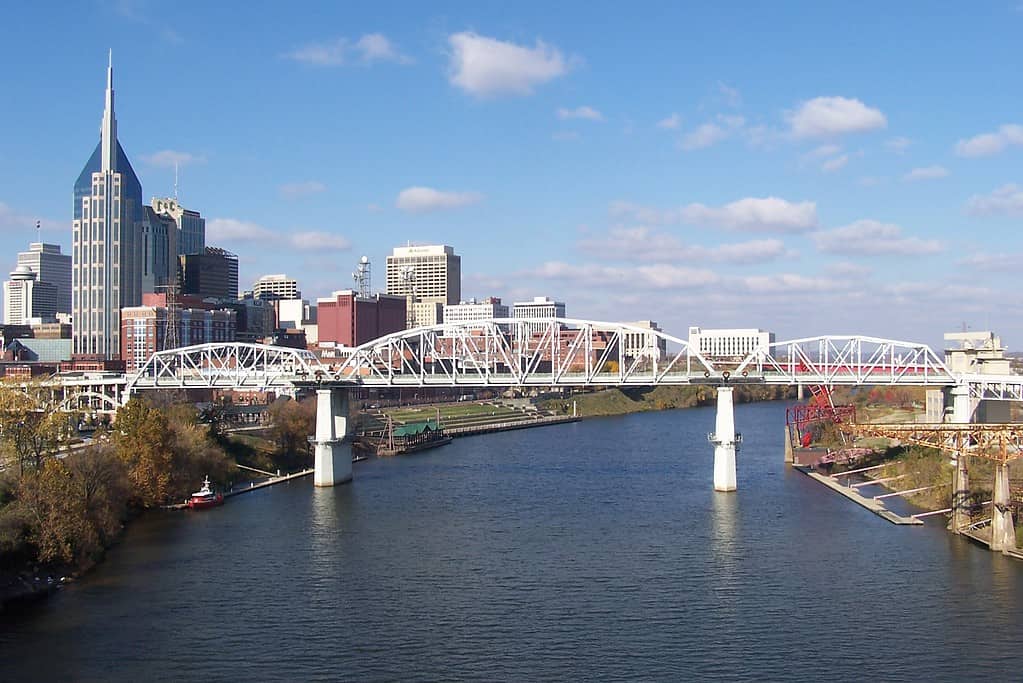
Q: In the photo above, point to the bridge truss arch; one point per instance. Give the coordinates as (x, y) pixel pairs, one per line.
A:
(232, 365)
(525, 352)
(847, 359)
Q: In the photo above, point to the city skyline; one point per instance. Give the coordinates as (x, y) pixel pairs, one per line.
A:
(804, 169)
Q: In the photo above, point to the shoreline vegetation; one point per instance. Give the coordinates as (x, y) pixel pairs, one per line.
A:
(64, 500)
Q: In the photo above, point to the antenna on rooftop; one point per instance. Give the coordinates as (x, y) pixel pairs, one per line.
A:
(175, 181)
(39, 231)
(362, 277)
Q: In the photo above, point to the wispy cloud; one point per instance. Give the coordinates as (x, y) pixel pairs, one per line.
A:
(370, 48)
(926, 173)
(301, 189)
(671, 122)
(584, 112)
(426, 199)
(873, 238)
(750, 214)
(641, 244)
(987, 144)
(234, 231)
(487, 67)
(836, 164)
(1007, 200)
(833, 116)
(899, 145)
(169, 158)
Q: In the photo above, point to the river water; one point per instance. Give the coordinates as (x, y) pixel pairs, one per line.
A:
(588, 551)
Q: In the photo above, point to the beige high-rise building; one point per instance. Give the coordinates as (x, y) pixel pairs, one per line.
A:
(429, 274)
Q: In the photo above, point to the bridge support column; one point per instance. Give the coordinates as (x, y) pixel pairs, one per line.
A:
(960, 493)
(333, 451)
(1003, 531)
(962, 410)
(725, 441)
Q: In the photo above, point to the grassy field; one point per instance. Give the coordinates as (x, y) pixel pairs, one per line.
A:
(451, 415)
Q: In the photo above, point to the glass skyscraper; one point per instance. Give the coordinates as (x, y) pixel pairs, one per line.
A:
(107, 257)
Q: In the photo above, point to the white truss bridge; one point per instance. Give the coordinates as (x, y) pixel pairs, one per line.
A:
(538, 352)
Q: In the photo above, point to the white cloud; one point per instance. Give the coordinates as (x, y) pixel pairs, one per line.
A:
(318, 241)
(487, 67)
(670, 123)
(15, 221)
(838, 163)
(780, 283)
(564, 135)
(301, 189)
(643, 245)
(987, 144)
(424, 199)
(830, 116)
(873, 238)
(1007, 200)
(899, 145)
(731, 96)
(583, 112)
(624, 210)
(1004, 261)
(658, 276)
(375, 47)
(168, 158)
(372, 47)
(822, 151)
(233, 230)
(706, 135)
(926, 173)
(756, 215)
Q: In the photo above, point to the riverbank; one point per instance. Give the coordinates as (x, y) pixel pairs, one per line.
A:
(626, 400)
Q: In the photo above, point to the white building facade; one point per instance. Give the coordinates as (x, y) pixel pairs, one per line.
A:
(472, 310)
(51, 266)
(728, 343)
(428, 274)
(539, 307)
(644, 344)
(26, 298)
(278, 286)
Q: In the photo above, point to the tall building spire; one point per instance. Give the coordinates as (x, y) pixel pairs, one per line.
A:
(108, 130)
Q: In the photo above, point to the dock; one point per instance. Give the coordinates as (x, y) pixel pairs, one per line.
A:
(852, 494)
(508, 426)
(253, 486)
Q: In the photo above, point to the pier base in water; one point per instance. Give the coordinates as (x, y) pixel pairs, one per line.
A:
(725, 441)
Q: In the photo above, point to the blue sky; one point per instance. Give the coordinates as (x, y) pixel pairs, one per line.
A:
(810, 168)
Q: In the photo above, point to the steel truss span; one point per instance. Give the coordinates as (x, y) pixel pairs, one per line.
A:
(228, 365)
(849, 360)
(998, 442)
(526, 352)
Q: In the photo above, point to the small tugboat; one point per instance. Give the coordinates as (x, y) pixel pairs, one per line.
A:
(205, 497)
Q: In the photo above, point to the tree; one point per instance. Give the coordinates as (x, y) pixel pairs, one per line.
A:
(142, 439)
(293, 423)
(29, 428)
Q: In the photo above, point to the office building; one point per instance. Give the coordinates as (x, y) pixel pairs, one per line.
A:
(26, 298)
(733, 344)
(427, 275)
(472, 310)
(51, 266)
(644, 344)
(159, 251)
(144, 328)
(212, 273)
(280, 286)
(540, 307)
(347, 319)
(106, 241)
(191, 226)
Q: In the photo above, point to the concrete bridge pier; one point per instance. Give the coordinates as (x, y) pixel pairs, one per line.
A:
(1003, 531)
(726, 442)
(960, 493)
(333, 450)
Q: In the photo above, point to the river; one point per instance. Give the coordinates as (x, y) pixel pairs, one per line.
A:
(592, 550)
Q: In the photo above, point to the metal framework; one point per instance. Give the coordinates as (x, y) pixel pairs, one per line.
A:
(525, 352)
(994, 388)
(831, 360)
(228, 365)
(998, 442)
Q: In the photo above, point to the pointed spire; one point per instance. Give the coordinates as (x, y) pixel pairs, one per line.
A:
(108, 130)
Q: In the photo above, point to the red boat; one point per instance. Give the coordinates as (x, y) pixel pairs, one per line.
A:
(205, 497)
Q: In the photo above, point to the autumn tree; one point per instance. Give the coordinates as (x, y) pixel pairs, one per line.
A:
(30, 429)
(293, 423)
(142, 438)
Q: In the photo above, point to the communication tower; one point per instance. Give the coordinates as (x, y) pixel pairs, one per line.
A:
(362, 277)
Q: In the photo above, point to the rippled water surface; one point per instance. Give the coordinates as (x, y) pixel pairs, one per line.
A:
(594, 550)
